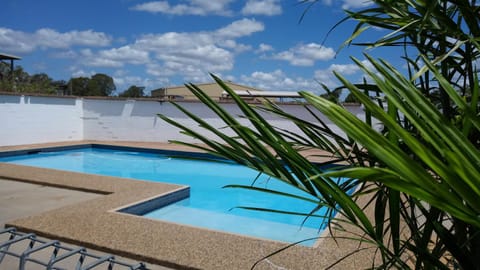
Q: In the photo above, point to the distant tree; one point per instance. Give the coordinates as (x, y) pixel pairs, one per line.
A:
(133, 91)
(93, 88)
(4, 70)
(351, 99)
(78, 86)
(332, 95)
(40, 83)
(40, 78)
(60, 87)
(5, 82)
(101, 85)
(20, 75)
(20, 81)
(59, 83)
(98, 85)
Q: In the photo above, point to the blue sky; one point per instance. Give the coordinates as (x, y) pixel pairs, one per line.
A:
(155, 44)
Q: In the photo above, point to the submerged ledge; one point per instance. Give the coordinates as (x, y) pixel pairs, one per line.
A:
(96, 224)
(142, 207)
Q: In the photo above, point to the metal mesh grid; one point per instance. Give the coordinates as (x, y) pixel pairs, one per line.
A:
(30, 251)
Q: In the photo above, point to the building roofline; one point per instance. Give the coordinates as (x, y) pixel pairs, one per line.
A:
(212, 83)
(274, 94)
(246, 86)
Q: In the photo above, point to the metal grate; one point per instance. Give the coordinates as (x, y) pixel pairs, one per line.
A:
(30, 250)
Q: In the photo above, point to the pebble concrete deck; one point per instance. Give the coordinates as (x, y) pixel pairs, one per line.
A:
(95, 224)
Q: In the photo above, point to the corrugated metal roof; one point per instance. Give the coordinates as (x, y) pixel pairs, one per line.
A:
(244, 93)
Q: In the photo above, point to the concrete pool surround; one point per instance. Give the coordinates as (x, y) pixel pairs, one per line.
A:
(106, 223)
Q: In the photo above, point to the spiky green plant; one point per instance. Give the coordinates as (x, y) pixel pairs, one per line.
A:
(432, 178)
(440, 41)
(421, 170)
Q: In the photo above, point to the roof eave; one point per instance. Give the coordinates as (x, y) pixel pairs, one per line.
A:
(4, 56)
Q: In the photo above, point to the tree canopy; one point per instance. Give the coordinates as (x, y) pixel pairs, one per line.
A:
(133, 91)
(26, 83)
(98, 85)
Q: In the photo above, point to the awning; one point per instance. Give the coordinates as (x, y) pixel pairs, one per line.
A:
(4, 56)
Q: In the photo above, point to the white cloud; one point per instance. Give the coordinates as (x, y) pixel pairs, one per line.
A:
(188, 55)
(190, 7)
(90, 58)
(306, 55)
(50, 38)
(194, 54)
(153, 7)
(114, 58)
(125, 54)
(348, 4)
(68, 54)
(240, 28)
(264, 48)
(81, 73)
(173, 40)
(236, 47)
(278, 81)
(326, 77)
(123, 81)
(349, 71)
(183, 52)
(262, 7)
(16, 41)
(157, 70)
(46, 38)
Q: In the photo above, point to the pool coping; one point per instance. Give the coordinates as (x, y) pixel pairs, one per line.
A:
(97, 224)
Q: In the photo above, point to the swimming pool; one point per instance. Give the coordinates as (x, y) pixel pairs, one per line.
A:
(209, 205)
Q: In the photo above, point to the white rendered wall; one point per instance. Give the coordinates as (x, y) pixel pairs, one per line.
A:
(34, 119)
(30, 119)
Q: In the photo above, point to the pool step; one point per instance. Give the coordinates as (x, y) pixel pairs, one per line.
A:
(232, 223)
(47, 254)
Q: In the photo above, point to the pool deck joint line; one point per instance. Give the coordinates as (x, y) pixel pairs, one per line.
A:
(98, 224)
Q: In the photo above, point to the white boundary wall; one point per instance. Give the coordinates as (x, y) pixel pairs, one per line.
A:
(34, 119)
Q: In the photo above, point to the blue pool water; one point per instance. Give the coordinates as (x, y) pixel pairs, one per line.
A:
(209, 205)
